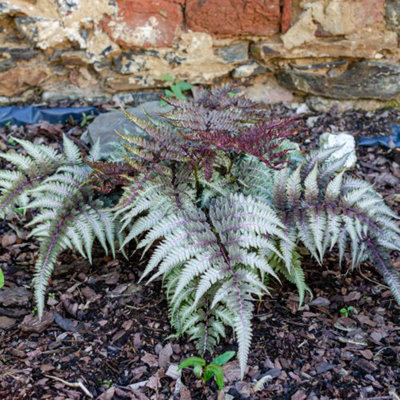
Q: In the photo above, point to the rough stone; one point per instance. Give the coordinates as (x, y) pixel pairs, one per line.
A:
(337, 18)
(193, 59)
(233, 53)
(92, 49)
(266, 89)
(75, 58)
(5, 65)
(240, 17)
(343, 17)
(302, 109)
(362, 44)
(21, 78)
(144, 23)
(58, 93)
(250, 69)
(45, 26)
(105, 125)
(393, 14)
(302, 32)
(45, 32)
(328, 140)
(136, 98)
(322, 104)
(369, 80)
(333, 18)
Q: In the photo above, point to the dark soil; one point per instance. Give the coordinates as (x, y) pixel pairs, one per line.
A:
(106, 335)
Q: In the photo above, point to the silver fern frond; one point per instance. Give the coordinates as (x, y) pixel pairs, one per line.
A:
(210, 260)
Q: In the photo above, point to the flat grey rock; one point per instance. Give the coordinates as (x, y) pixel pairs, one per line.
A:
(105, 125)
(362, 80)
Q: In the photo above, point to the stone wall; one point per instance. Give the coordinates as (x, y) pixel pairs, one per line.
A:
(338, 49)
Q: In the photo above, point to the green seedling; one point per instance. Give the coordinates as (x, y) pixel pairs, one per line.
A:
(85, 119)
(176, 89)
(1, 278)
(108, 383)
(205, 371)
(11, 140)
(345, 311)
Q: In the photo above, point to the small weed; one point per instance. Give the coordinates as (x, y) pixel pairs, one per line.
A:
(205, 372)
(345, 311)
(85, 119)
(1, 278)
(108, 383)
(176, 89)
(11, 140)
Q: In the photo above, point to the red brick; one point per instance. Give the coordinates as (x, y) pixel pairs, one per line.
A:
(144, 23)
(233, 17)
(286, 15)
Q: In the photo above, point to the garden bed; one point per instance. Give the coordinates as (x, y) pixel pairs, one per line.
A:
(104, 330)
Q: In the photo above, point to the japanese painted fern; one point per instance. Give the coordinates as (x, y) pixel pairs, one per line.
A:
(218, 197)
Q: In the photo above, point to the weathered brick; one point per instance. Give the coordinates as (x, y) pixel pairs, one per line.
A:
(140, 23)
(286, 15)
(239, 17)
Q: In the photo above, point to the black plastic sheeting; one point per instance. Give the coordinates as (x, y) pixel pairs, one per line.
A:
(390, 141)
(32, 115)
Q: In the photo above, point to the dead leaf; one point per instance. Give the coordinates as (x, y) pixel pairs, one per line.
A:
(108, 394)
(366, 320)
(232, 372)
(367, 354)
(90, 294)
(324, 367)
(8, 239)
(184, 393)
(353, 296)
(46, 368)
(299, 395)
(150, 359)
(155, 381)
(165, 355)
